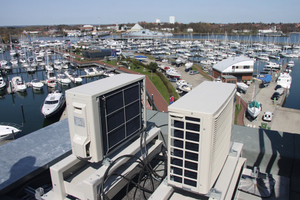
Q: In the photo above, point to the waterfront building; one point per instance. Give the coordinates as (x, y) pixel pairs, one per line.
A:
(136, 27)
(241, 67)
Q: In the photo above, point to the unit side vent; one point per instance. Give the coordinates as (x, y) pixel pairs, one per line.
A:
(220, 146)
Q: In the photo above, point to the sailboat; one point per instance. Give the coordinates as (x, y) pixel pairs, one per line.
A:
(254, 107)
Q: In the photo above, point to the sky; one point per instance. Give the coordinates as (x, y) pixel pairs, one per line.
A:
(56, 12)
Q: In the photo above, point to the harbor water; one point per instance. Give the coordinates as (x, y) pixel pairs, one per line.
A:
(25, 108)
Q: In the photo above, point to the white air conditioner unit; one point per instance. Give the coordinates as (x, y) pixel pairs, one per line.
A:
(104, 114)
(200, 125)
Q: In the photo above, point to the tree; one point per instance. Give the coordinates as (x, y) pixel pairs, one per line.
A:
(152, 66)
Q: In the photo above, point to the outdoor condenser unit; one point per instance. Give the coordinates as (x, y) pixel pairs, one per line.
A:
(104, 114)
(200, 125)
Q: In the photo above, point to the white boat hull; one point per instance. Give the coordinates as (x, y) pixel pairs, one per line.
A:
(7, 132)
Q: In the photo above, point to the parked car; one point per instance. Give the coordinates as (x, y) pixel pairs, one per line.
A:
(267, 116)
(275, 96)
(192, 72)
(277, 87)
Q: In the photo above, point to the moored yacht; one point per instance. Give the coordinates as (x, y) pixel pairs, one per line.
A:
(8, 130)
(36, 84)
(18, 84)
(63, 79)
(73, 76)
(98, 70)
(89, 71)
(291, 63)
(2, 83)
(285, 80)
(53, 103)
(272, 65)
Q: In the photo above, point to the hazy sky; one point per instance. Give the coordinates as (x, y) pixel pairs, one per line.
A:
(55, 12)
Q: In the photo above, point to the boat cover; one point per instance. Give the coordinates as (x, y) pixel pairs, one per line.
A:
(254, 104)
(267, 78)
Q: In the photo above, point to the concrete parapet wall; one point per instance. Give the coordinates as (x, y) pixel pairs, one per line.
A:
(273, 152)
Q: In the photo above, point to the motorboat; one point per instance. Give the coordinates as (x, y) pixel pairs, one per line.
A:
(31, 59)
(185, 88)
(51, 79)
(14, 61)
(207, 62)
(64, 66)
(267, 116)
(3, 62)
(89, 71)
(274, 56)
(108, 73)
(51, 75)
(51, 83)
(180, 60)
(30, 69)
(181, 82)
(42, 63)
(34, 64)
(254, 109)
(39, 59)
(12, 52)
(36, 84)
(140, 58)
(173, 73)
(285, 80)
(98, 70)
(291, 63)
(8, 130)
(22, 60)
(188, 65)
(2, 83)
(263, 56)
(242, 87)
(57, 66)
(272, 66)
(53, 103)
(73, 76)
(49, 68)
(18, 84)
(63, 79)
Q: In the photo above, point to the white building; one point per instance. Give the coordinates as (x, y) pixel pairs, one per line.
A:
(241, 67)
(189, 30)
(172, 20)
(158, 21)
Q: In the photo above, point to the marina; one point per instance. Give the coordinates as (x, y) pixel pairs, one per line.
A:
(195, 49)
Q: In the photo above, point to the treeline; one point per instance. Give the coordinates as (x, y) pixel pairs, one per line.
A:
(202, 27)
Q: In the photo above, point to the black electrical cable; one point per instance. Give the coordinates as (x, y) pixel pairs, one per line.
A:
(106, 176)
(146, 172)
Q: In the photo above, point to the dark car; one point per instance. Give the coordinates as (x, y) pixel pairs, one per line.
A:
(275, 96)
(277, 87)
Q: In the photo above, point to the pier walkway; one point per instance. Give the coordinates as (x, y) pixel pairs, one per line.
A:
(284, 119)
